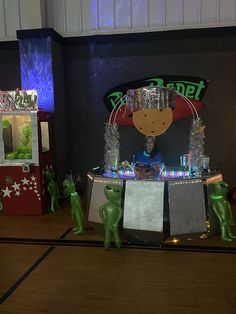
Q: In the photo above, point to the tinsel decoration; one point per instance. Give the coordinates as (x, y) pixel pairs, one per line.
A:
(150, 98)
(112, 147)
(196, 146)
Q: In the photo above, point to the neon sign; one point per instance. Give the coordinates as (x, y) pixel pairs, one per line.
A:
(191, 87)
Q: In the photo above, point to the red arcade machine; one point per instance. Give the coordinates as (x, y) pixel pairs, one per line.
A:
(25, 152)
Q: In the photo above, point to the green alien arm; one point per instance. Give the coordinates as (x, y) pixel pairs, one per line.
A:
(100, 211)
(120, 213)
(218, 209)
(50, 189)
(231, 217)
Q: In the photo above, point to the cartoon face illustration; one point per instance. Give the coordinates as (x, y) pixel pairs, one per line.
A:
(113, 192)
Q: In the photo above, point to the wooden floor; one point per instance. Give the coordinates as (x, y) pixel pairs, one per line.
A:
(45, 269)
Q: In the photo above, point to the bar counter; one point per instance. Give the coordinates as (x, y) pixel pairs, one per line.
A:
(153, 210)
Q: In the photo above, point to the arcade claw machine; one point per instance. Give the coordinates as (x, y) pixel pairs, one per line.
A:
(25, 153)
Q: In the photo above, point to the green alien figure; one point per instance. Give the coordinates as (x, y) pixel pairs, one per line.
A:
(223, 211)
(52, 189)
(76, 208)
(111, 213)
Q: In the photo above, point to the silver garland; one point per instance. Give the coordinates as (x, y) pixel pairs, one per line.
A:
(112, 147)
(150, 98)
(196, 145)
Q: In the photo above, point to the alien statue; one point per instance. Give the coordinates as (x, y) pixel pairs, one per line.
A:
(52, 189)
(223, 211)
(76, 208)
(111, 213)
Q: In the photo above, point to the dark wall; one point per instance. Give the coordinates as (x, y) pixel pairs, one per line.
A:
(60, 114)
(92, 68)
(9, 66)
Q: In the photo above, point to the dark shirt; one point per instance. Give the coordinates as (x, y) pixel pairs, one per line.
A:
(142, 156)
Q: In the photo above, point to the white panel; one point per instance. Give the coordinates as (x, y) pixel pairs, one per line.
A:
(73, 19)
(49, 13)
(192, 11)
(122, 17)
(12, 17)
(106, 14)
(56, 15)
(43, 13)
(59, 15)
(210, 11)
(157, 12)
(174, 12)
(30, 14)
(227, 10)
(89, 15)
(2, 19)
(143, 205)
(139, 13)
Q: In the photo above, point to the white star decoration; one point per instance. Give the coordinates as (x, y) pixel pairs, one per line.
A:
(7, 192)
(16, 186)
(25, 181)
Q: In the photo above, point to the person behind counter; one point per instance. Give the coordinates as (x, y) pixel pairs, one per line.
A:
(149, 155)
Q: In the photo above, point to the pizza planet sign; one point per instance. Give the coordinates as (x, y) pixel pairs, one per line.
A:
(154, 121)
(189, 89)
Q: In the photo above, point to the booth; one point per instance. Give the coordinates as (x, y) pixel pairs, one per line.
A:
(25, 153)
(157, 202)
(154, 210)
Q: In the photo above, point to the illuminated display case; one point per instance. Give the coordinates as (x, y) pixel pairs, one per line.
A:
(25, 153)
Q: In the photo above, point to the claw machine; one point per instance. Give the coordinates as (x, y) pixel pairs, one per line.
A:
(25, 153)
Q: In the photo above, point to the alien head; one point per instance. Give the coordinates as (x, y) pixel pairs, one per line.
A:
(221, 189)
(68, 187)
(50, 174)
(113, 192)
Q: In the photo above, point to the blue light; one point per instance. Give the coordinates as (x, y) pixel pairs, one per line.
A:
(36, 69)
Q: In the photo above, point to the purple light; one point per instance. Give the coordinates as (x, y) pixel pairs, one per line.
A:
(36, 69)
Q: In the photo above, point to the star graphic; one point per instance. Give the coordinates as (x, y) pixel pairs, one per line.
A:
(25, 181)
(31, 182)
(25, 188)
(17, 193)
(38, 194)
(36, 191)
(33, 178)
(35, 183)
(6, 192)
(30, 188)
(16, 186)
